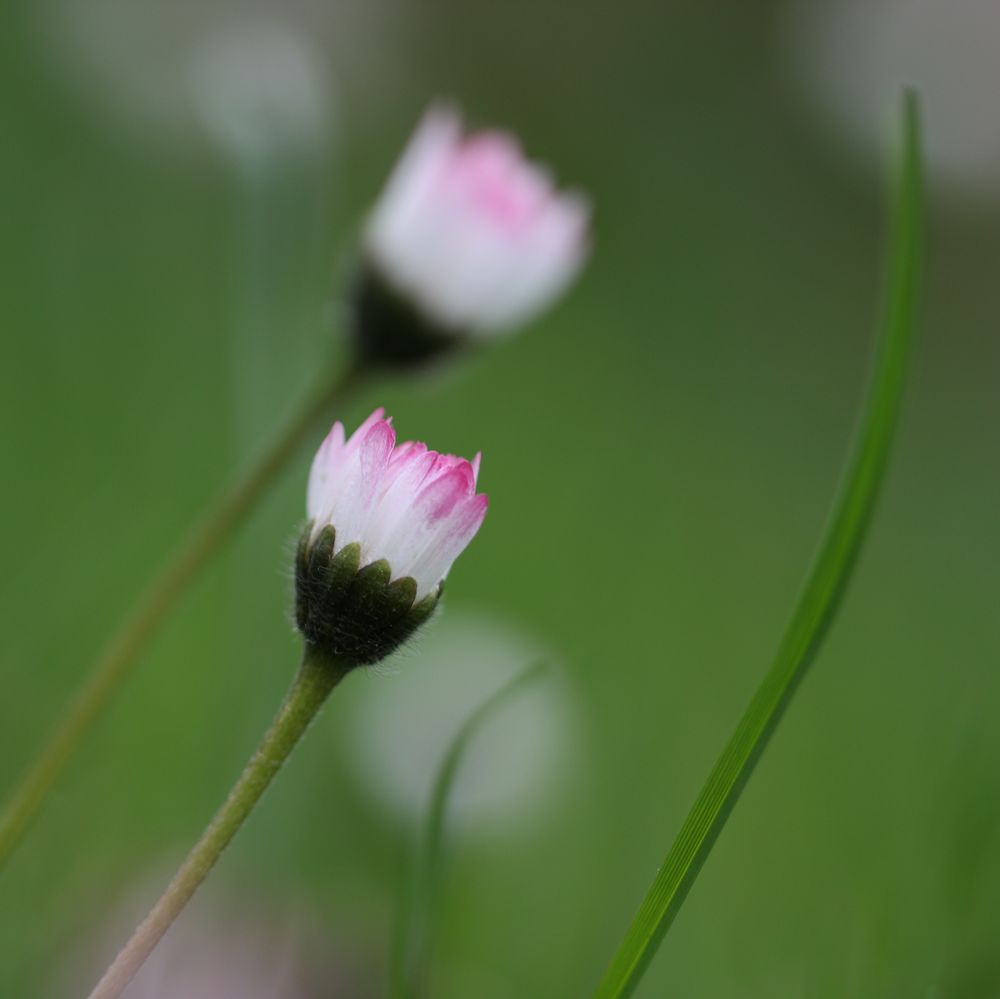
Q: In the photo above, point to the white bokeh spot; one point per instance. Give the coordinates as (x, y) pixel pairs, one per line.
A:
(855, 56)
(517, 766)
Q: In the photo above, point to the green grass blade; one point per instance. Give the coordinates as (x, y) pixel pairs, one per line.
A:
(412, 947)
(820, 596)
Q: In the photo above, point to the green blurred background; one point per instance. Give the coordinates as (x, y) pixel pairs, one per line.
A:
(660, 452)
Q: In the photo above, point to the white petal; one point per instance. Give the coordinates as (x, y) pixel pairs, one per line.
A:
(323, 473)
(434, 562)
(416, 508)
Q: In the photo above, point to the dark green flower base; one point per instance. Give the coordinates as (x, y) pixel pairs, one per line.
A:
(390, 330)
(355, 614)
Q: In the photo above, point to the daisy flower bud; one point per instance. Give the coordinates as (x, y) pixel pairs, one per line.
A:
(467, 239)
(386, 522)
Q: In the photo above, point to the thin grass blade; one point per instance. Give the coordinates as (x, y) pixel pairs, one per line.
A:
(822, 591)
(412, 947)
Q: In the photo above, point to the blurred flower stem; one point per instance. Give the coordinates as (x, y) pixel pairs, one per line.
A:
(316, 678)
(113, 664)
(412, 948)
(821, 595)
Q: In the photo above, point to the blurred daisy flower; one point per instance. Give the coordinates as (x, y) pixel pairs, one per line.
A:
(854, 57)
(467, 239)
(519, 768)
(231, 950)
(172, 74)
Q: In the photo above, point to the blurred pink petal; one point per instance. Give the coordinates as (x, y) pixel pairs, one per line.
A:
(475, 234)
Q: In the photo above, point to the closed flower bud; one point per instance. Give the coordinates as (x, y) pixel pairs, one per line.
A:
(467, 239)
(386, 522)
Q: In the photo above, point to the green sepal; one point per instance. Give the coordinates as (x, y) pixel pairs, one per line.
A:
(321, 550)
(372, 579)
(420, 612)
(342, 569)
(352, 613)
(302, 546)
(312, 560)
(364, 599)
(410, 616)
(367, 611)
(401, 593)
(302, 577)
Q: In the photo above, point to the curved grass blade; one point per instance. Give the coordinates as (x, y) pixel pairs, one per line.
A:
(820, 596)
(412, 948)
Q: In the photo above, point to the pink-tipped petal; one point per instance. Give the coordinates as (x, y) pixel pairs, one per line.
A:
(437, 500)
(413, 507)
(375, 449)
(407, 451)
(323, 470)
(362, 432)
(453, 535)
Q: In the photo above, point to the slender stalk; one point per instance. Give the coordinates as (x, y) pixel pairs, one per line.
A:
(315, 680)
(412, 950)
(114, 662)
(819, 599)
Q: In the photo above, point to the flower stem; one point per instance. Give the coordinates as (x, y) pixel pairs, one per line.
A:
(112, 665)
(315, 680)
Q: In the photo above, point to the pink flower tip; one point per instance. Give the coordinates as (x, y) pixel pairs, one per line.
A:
(413, 507)
(474, 234)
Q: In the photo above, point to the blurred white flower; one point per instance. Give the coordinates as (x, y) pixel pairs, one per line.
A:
(479, 238)
(518, 766)
(161, 70)
(854, 56)
(226, 950)
(263, 90)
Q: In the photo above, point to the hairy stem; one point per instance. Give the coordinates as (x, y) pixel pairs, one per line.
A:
(315, 680)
